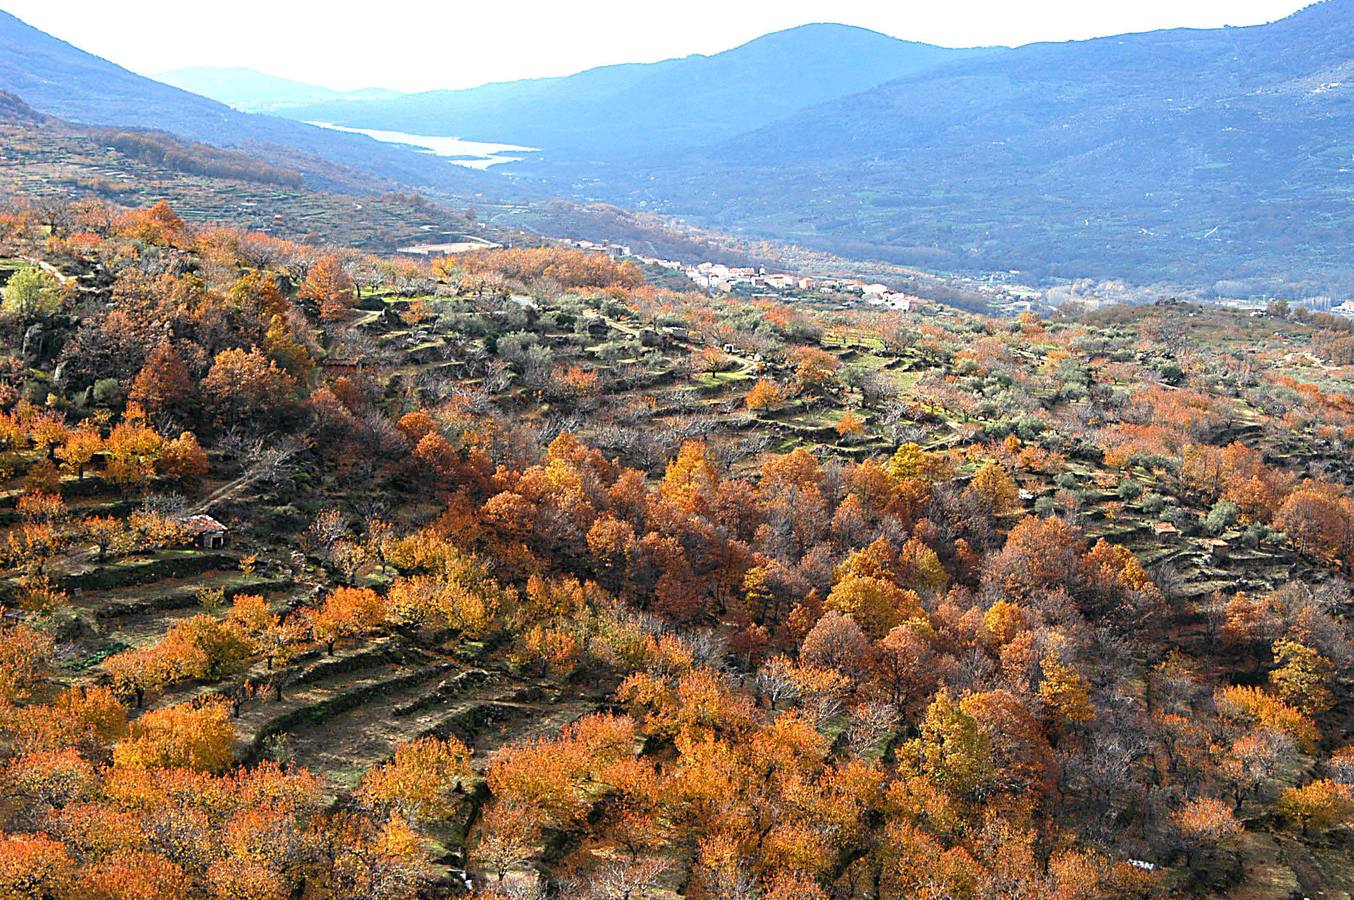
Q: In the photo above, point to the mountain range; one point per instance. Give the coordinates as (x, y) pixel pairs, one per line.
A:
(249, 90)
(1218, 159)
(637, 111)
(61, 80)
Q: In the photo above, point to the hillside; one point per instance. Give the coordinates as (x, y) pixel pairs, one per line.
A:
(1180, 157)
(250, 90)
(48, 164)
(334, 575)
(48, 161)
(63, 81)
(14, 111)
(618, 111)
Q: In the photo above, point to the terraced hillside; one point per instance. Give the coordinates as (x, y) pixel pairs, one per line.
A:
(513, 574)
(55, 163)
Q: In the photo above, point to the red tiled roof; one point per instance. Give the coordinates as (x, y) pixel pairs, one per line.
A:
(202, 524)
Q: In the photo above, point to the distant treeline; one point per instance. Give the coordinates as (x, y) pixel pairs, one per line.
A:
(157, 148)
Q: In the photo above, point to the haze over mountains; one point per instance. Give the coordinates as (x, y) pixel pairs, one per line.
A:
(249, 90)
(1212, 159)
(643, 110)
(1180, 156)
(64, 81)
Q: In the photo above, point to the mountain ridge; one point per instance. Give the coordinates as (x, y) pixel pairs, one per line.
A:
(250, 90)
(1215, 157)
(59, 79)
(1102, 158)
(674, 103)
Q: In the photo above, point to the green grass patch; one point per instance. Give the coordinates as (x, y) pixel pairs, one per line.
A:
(907, 381)
(719, 379)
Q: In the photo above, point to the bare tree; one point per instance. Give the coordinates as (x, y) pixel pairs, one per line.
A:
(870, 722)
(622, 880)
(776, 682)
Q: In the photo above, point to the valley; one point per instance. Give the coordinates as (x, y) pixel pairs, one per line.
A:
(837, 467)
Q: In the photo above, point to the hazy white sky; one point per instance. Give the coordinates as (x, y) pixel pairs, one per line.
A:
(426, 44)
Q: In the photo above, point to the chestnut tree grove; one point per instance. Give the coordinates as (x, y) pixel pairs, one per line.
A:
(886, 606)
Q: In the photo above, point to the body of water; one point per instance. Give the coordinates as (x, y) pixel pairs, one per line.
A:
(471, 154)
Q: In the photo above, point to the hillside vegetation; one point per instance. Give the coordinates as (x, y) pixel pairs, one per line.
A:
(49, 163)
(161, 149)
(333, 575)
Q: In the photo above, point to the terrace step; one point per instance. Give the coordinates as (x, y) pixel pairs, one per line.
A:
(352, 739)
(180, 599)
(126, 573)
(451, 687)
(312, 708)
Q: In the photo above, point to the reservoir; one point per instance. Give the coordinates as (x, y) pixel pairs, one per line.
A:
(471, 154)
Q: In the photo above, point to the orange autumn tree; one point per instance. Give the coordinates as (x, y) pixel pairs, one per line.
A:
(183, 459)
(135, 874)
(421, 781)
(1320, 521)
(164, 385)
(132, 450)
(850, 425)
(556, 779)
(691, 479)
(82, 445)
(1039, 555)
(1301, 676)
(34, 866)
(953, 751)
(764, 395)
(1319, 805)
(158, 224)
(283, 349)
(994, 489)
(346, 612)
(1205, 823)
(330, 287)
(25, 654)
(246, 387)
(814, 368)
(1065, 692)
(182, 736)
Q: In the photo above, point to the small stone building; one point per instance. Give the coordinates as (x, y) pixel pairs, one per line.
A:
(206, 532)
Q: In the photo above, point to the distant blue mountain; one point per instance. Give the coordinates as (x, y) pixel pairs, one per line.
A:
(1221, 159)
(1217, 158)
(619, 111)
(61, 80)
(250, 90)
